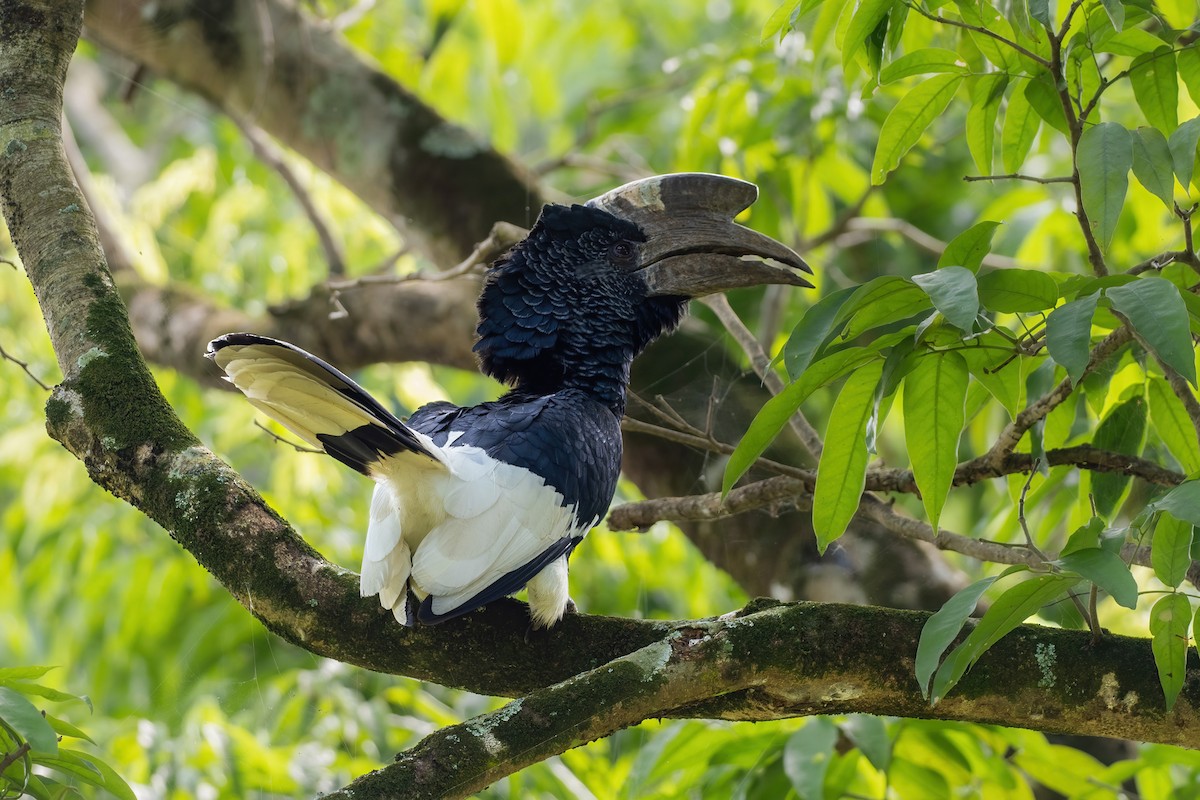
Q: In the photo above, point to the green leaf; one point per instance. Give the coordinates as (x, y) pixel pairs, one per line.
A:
(1170, 552)
(806, 757)
(1085, 536)
(812, 329)
(1013, 291)
(24, 718)
(1040, 10)
(1182, 142)
(922, 62)
(841, 472)
(1008, 611)
(1043, 97)
(780, 19)
(1152, 165)
(954, 293)
(969, 247)
(1019, 131)
(92, 771)
(981, 118)
(1156, 87)
(866, 19)
(1069, 334)
(9, 674)
(935, 394)
(776, 412)
(1131, 42)
(904, 125)
(1116, 13)
(870, 735)
(1106, 570)
(1169, 621)
(1173, 424)
(1182, 502)
(1159, 316)
(1104, 158)
(1122, 431)
(940, 630)
(881, 301)
(1187, 61)
(64, 728)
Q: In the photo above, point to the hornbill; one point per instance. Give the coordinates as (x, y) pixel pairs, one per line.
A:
(472, 504)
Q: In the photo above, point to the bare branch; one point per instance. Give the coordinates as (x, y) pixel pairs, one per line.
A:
(1017, 176)
(5, 355)
(915, 235)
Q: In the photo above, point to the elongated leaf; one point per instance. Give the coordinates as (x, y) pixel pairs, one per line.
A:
(1173, 424)
(969, 247)
(1152, 164)
(935, 394)
(812, 329)
(776, 412)
(1156, 87)
(9, 674)
(780, 20)
(940, 630)
(1043, 97)
(988, 360)
(981, 118)
(881, 301)
(866, 19)
(921, 62)
(1116, 13)
(23, 717)
(1008, 611)
(806, 757)
(1019, 131)
(1017, 290)
(841, 472)
(954, 293)
(870, 735)
(1169, 622)
(1069, 334)
(909, 119)
(1182, 502)
(1105, 156)
(1159, 316)
(1122, 431)
(1129, 42)
(1187, 61)
(92, 771)
(1170, 552)
(1182, 142)
(1040, 10)
(1106, 570)
(64, 728)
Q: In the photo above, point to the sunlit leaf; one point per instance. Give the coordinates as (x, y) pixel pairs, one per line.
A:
(91, 771)
(1116, 12)
(1017, 290)
(969, 247)
(780, 19)
(870, 735)
(1173, 424)
(776, 412)
(866, 19)
(1182, 502)
(1152, 164)
(1104, 157)
(1069, 334)
(1156, 87)
(1182, 142)
(812, 330)
(981, 118)
(841, 472)
(880, 301)
(1040, 10)
(1122, 431)
(1019, 130)
(1170, 620)
(806, 756)
(934, 414)
(954, 293)
(1106, 570)
(921, 62)
(1170, 551)
(1187, 61)
(64, 728)
(1159, 316)
(940, 630)
(23, 717)
(9, 674)
(904, 125)
(1008, 611)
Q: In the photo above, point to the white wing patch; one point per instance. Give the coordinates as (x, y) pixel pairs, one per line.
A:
(454, 534)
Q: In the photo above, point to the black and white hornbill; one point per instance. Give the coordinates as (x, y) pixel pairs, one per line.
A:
(471, 504)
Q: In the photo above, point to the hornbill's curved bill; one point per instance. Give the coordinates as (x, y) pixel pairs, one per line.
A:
(694, 248)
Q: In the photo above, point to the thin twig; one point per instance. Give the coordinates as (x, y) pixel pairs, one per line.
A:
(1017, 176)
(631, 425)
(915, 235)
(4, 354)
(719, 304)
(982, 31)
(299, 448)
(267, 153)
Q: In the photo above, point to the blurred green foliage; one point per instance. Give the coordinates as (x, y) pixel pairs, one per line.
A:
(193, 699)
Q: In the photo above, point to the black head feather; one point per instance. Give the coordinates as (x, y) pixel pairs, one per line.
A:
(568, 308)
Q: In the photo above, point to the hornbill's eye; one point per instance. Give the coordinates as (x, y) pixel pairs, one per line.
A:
(622, 251)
